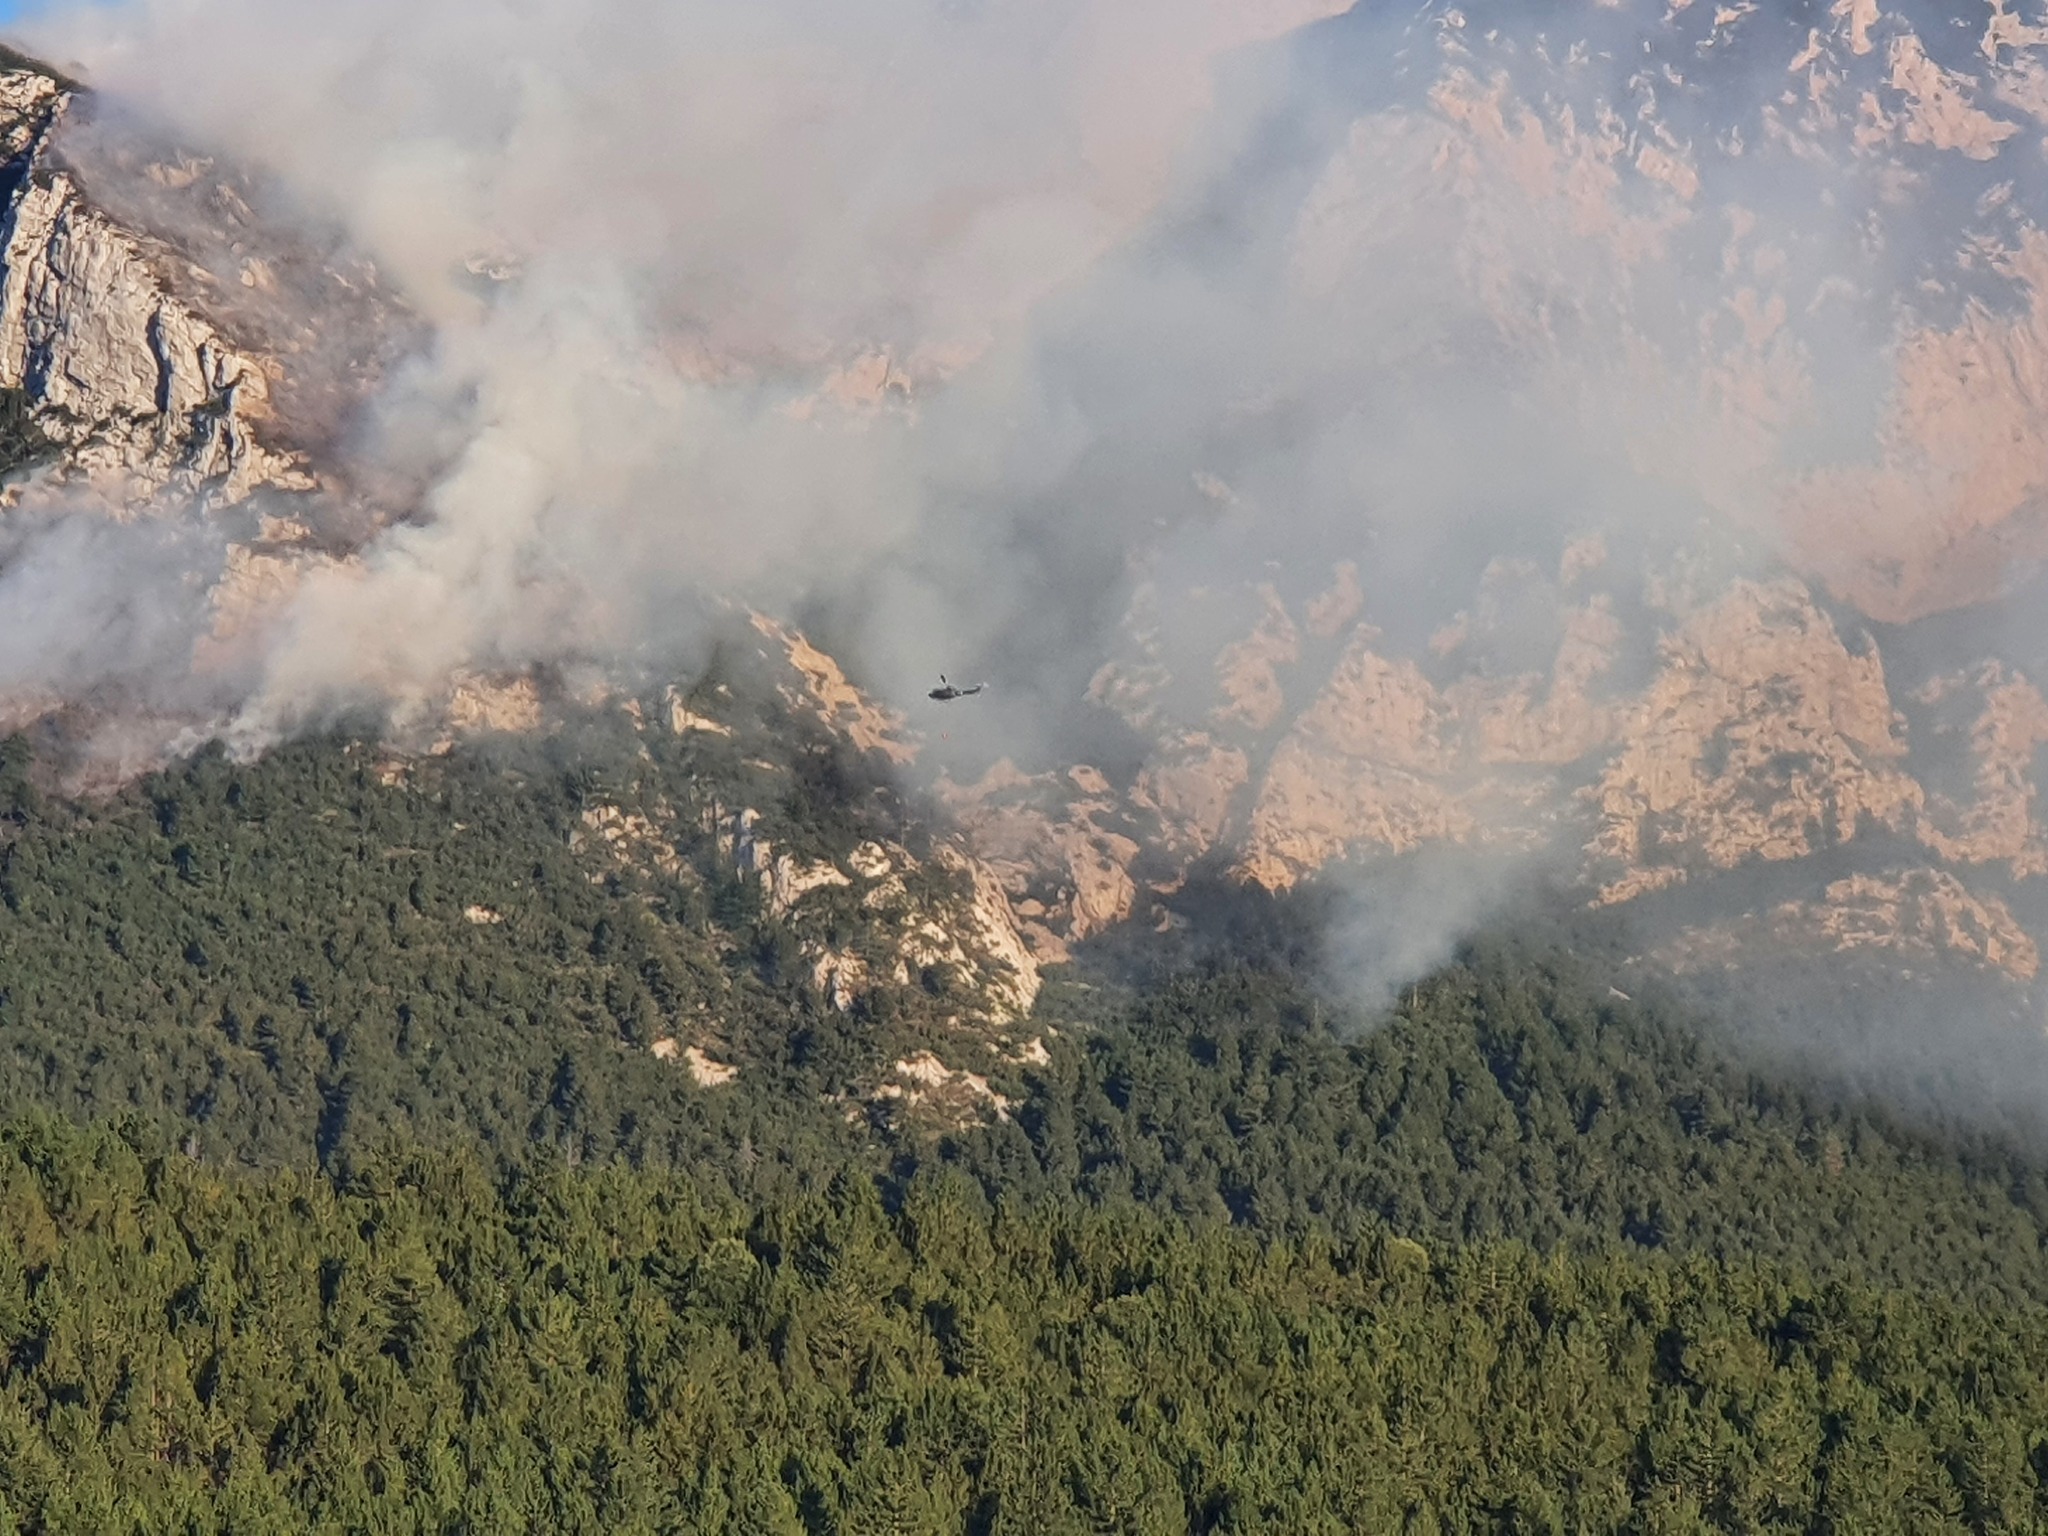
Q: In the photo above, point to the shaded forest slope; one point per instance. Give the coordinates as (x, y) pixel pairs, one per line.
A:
(279, 964)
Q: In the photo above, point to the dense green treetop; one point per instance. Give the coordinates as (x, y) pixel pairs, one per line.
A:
(428, 1346)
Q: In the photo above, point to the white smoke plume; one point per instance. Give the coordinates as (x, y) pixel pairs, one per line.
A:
(652, 242)
(696, 213)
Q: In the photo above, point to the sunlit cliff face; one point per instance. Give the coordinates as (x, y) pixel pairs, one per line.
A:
(1813, 234)
(1603, 439)
(1626, 459)
(1775, 263)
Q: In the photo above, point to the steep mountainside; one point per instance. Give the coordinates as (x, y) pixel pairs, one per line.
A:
(1782, 725)
(1783, 263)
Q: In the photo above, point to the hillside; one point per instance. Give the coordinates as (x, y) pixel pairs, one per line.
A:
(1473, 966)
(1663, 695)
(287, 963)
(393, 1169)
(295, 955)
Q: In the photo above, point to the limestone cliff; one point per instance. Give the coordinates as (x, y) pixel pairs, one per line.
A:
(823, 691)
(1788, 256)
(1372, 761)
(1055, 846)
(1919, 918)
(1763, 733)
(157, 323)
(945, 920)
(1762, 737)
(1991, 817)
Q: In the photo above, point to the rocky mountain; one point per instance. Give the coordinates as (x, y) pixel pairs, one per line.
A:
(1784, 260)
(167, 342)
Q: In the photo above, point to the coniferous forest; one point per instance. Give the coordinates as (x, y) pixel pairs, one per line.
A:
(328, 1205)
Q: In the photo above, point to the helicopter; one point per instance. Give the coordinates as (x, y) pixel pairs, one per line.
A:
(945, 693)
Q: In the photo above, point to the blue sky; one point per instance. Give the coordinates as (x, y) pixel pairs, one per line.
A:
(13, 10)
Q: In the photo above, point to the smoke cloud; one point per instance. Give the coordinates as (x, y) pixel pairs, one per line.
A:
(642, 235)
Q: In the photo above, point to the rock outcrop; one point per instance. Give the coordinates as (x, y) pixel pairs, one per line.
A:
(924, 1087)
(1762, 733)
(2003, 720)
(1854, 391)
(157, 324)
(1762, 737)
(1919, 918)
(1370, 763)
(944, 921)
(823, 691)
(1053, 845)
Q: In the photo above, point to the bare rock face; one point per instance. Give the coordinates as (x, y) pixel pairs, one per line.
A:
(983, 937)
(1918, 918)
(1750, 730)
(1551, 719)
(947, 917)
(1370, 762)
(824, 692)
(1958, 498)
(1794, 251)
(1188, 788)
(156, 323)
(1790, 260)
(1248, 670)
(1762, 738)
(187, 356)
(1605, 191)
(922, 1089)
(1991, 818)
(1052, 845)
(482, 704)
(136, 384)
(1383, 757)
